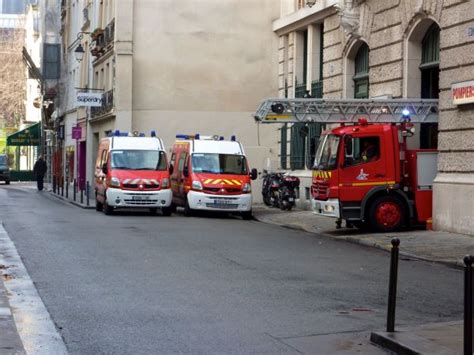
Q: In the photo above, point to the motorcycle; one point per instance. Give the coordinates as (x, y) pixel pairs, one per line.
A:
(279, 190)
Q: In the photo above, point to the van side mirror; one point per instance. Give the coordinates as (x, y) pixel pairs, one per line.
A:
(104, 168)
(186, 171)
(253, 174)
(171, 169)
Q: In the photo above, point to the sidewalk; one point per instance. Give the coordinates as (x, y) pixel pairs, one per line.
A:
(441, 247)
(433, 246)
(68, 196)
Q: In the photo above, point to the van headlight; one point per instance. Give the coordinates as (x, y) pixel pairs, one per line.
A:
(165, 183)
(114, 182)
(246, 187)
(197, 185)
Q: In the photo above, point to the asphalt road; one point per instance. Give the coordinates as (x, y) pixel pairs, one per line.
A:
(134, 283)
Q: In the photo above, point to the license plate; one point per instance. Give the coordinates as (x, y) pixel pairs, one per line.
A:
(222, 202)
(140, 198)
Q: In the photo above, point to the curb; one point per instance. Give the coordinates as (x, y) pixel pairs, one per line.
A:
(75, 203)
(454, 264)
(387, 342)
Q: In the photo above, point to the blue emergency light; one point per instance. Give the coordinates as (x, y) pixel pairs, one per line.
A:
(153, 133)
(197, 136)
(182, 136)
(221, 138)
(232, 138)
(117, 133)
(406, 114)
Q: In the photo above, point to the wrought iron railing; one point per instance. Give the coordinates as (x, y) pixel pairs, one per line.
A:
(300, 90)
(109, 33)
(317, 89)
(107, 105)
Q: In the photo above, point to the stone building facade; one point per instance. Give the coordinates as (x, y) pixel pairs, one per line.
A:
(175, 67)
(388, 49)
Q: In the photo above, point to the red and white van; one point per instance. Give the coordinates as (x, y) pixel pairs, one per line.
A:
(210, 173)
(132, 171)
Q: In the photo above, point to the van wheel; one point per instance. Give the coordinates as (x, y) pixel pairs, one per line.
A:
(7, 182)
(386, 214)
(153, 211)
(166, 211)
(172, 208)
(107, 209)
(98, 205)
(188, 211)
(247, 215)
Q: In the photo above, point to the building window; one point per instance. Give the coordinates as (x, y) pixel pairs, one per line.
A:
(51, 60)
(312, 140)
(297, 146)
(361, 73)
(430, 82)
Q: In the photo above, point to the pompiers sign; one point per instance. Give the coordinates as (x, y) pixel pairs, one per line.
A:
(463, 93)
(88, 99)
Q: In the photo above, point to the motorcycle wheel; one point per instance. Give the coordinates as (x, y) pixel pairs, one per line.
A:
(266, 200)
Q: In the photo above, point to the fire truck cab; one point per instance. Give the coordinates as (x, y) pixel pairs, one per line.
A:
(132, 171)
(365, 174)
(210, 173)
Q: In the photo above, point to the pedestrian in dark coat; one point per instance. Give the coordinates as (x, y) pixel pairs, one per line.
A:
(39, 170)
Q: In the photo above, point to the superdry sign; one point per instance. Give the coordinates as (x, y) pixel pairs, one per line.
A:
(88, 99)
(463, 93)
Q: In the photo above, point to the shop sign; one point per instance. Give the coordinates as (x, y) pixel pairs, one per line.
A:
(88, 99)
(463, 93)
(76, 132)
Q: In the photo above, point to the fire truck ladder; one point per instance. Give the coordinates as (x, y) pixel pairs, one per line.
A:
(347, 110)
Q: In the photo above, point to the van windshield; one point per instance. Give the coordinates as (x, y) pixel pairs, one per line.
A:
(138, 160)
(214, 163)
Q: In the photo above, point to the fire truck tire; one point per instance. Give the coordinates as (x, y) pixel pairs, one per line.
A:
(188, 211)
(107, 209)
(98, 206)
(386, 214)
(166, 211)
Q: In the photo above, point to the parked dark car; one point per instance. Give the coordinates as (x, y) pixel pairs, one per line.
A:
(4, 169)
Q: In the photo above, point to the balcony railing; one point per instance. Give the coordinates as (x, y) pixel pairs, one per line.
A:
(107, 105)
(300, 90)
(317, 89)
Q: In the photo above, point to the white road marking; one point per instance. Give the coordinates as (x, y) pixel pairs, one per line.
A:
(34, 324)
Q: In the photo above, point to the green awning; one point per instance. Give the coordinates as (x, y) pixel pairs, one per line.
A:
(26, 137)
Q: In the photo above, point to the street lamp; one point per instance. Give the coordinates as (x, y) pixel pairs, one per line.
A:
(79, 53)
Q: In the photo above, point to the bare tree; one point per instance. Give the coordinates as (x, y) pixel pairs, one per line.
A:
(12, 77)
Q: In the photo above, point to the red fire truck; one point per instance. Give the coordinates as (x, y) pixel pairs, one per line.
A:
(364, 172)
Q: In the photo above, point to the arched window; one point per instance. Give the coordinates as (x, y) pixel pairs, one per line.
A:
(361, 73)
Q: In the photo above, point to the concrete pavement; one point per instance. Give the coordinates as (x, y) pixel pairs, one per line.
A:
(433, 246)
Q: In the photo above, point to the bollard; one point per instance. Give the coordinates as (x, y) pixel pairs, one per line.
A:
(74, 188)
(67, 187)
(54, 184)
(82, 196)
(468, 259)
(62, 187)
(87, 193)
(392, 288)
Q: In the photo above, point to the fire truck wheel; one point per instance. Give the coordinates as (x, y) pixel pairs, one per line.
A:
(188, 211)
(166, 211)
(98, 206)
(107, 209)
(386, 214)
(247, 215)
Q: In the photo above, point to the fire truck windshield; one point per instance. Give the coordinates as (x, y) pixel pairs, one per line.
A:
(326, 155)
(213, 163)
(138, 160)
